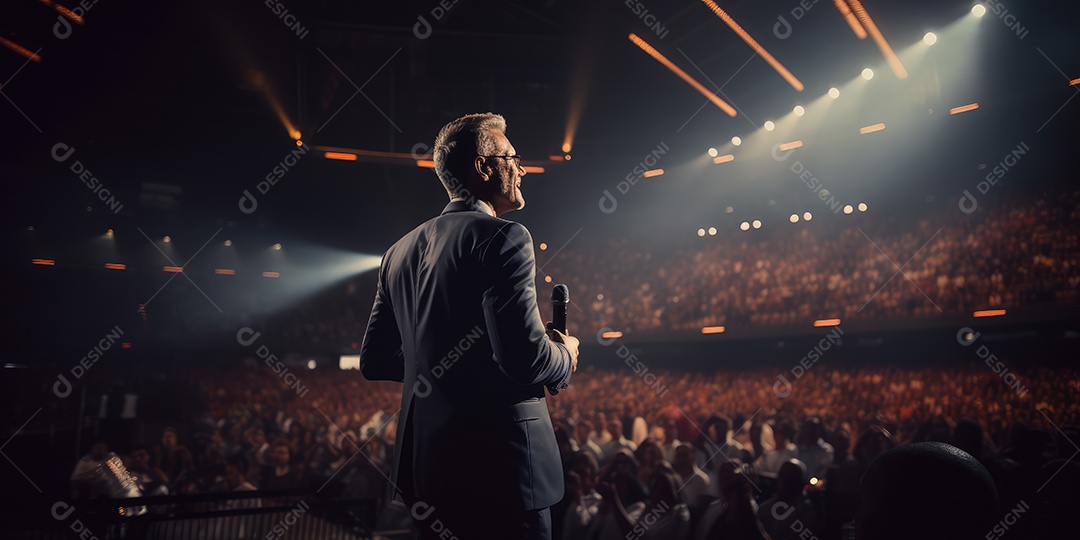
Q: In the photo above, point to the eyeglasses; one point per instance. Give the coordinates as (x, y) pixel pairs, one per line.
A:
(516, 158)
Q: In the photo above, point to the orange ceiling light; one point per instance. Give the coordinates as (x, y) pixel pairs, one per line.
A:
(340, 156)
(615, 334)
(173, 269)
(790, 146)
(964, 108)
(826, 322)
(723, 159)
(532, 169)
(225, 271)
(794, 82)
(871, 129)
(852, 21)
(653, 172)
(116, 266)
(682, 74)
(990, 313)
(1074, 82)
(43, 262)
(713, 330)
(21, 50)
(872, 29)
(425, 163)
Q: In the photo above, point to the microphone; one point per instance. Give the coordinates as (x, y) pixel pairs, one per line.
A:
(560, 297)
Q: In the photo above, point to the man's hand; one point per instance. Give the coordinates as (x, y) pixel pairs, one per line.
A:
(569, 341)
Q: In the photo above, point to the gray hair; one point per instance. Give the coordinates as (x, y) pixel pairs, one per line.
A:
(458, 143)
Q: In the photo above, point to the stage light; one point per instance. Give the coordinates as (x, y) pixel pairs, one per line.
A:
(776, 65)
(852, 21)
(526, 168)
(799, 110)
(1074, 82)
(600, 296)
(653, 172)
(277, 247)
(807, 216)
(978, 10)
(228, 243)
(794, 218)
(701, 232)
(425, 163)
(862, 207)
(871, 129)
(729, 210)
(964, 108)
(116, 266)
(713, 152)
(713, 330)
(273, 275)
(566, 147)
(834, 92)
(745, 226)
(172, 269)
(299, 142)
(848, 209)
(225, 271)
(342, 156)
(757, 223)
(769, 125)
(615, 334)
(723, 159)
(790, 146)
(43, 262)
(827, 322)
(989, 313)
(813, 481)
(167, 239)
(547, 279)
(930, 38)
(712, 231)
(867, 73)
(682, 74)
(879, 40)
(311, 364)
(736, 140)
(566, 157)
(109, 233)
(543, 246)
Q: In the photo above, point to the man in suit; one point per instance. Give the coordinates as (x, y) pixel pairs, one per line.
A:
(455, 318)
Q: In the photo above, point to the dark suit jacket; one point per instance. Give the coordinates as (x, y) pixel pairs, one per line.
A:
(456, 319)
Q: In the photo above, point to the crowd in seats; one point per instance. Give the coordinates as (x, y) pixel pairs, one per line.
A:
(717, 455)
(1023, 253)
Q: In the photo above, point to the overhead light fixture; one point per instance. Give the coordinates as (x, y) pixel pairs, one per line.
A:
(783, 71)
(930, 38)
(834, 92)
(799, 110)
(682, 74)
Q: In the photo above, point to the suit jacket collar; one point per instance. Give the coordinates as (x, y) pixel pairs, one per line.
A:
(464, 205)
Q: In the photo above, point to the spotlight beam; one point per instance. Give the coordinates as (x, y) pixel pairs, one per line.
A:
(794, 82)
(682, 74)
(872, 29)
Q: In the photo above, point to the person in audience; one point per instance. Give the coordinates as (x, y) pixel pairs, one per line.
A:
(789, 515)
(929, 491)
(583, 432)
(813, 451)
(784, 450)
(617, 441)
(693, 482)
(279, 473)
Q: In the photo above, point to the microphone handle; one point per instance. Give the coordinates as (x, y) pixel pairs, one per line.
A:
(558, 316)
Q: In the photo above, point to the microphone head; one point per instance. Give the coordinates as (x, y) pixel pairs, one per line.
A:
(560, 294)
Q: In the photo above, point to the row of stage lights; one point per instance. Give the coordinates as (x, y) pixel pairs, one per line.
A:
(794, 218)
(109, 233)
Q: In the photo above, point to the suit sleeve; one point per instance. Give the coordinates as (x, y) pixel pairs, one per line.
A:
(518, 337)
(381, 356)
